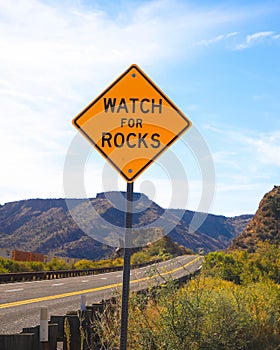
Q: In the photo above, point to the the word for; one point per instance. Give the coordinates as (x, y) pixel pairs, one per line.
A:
(132, 123)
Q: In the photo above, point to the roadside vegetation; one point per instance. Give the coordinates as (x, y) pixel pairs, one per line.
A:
(162, 249)
(10, 266)
(234, 304)
(244, 268)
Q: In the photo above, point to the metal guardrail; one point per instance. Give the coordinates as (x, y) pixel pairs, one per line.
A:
(48, 275)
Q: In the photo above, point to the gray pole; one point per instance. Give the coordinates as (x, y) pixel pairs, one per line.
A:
(126, 265)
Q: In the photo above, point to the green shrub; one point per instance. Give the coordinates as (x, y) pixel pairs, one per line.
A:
(57, 264)
(243, 267)
(207, 314)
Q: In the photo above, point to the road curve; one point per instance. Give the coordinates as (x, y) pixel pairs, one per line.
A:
(20, 302)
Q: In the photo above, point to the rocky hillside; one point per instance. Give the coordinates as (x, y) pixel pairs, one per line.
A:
(265, 225)
(46, 226)
(219, 227)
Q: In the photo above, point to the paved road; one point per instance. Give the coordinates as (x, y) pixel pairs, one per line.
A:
(20, 302)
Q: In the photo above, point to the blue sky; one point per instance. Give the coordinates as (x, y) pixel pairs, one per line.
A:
(217, 60)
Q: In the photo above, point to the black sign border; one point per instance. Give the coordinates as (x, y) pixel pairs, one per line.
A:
(161, 93)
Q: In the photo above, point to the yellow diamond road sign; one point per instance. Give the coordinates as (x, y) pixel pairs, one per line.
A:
(132, 122)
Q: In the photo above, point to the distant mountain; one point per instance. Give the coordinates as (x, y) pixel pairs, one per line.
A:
(221, 228)
(46, 226)
(265, 225)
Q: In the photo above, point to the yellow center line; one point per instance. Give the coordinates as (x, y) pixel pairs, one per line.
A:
(84, 291)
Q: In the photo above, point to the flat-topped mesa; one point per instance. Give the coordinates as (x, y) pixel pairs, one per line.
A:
(116, 195)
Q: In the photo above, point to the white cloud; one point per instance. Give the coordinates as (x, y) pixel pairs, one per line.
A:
(67, 52)
(216, 39)
(57, 56)
(266, 146)
(247, 166)
(260, 148)
(256, 38)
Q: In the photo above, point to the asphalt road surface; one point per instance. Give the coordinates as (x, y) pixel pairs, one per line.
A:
(20, 302)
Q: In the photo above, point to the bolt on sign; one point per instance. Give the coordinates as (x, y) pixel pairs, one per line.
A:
(132, 122)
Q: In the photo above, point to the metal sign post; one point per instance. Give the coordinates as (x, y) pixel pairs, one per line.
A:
(131, 123)
(126, 265)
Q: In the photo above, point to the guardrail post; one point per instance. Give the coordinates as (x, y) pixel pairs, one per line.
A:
(44, 328)
(83, 302)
